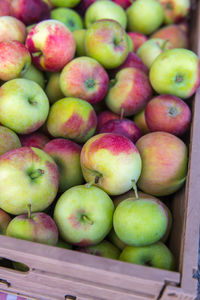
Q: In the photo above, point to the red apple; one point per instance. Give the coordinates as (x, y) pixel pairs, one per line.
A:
(104, 117)
(138, 39)
(83, 6)
(35, 139)
(4, 221)
(5, 8)
(124, 3)
(175, 10)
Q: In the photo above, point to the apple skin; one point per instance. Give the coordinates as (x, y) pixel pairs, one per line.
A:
(113, 238)
(84, 215)
(103, 249)
(130, 44)
(15, 59)
(79, 36)
(175, 10)
(84, 78)
(156, 255)
(72, 118)
(62, 244)
(140, 222)
(167, 75)
(123, 3)
(30, 11)
(105, 10)
(140, 121)
(151, 49)
(105, 116)
(8, 140)
(145, 16)
(11, 29)
(4, 221)
(119, 153)
(41, 42)
(5, 8)
(107, 42)
(23, 104)
(32, 73)
(49, 3)
(68, 17)
(174, 34)
(131, 194)
(168, 113)
(137, 38)
(35, 139)
(124, 127)
(129, 91)
(39, 228)
(52, 89)
(164, 160)
(64, 3)
(66, 154)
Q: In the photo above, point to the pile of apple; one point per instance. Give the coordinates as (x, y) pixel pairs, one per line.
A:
(94, 102)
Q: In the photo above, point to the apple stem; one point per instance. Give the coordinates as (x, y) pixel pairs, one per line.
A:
(121, 113)
(93, 181)
(36, 54)
(29, 211)
(164, 44)
(87, 220)
(135, 188)
(36, 174)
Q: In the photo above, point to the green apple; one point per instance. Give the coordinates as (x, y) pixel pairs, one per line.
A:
(65, 3)
(53, 89)
(67, 16)
(83, 215)
(79, 36)
(130, 44)
(113, 238)
(32, 73)
(8, 140)
(156, 255)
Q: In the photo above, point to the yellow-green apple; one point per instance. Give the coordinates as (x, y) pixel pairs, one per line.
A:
(168, 76)
(84, 215)
(156, 255)
(35, 139)
(37, 227)
(12, 29)
(67, 16)
(66, 154)
(131, 194)
(84, 78)
(8, 140)
(107, 42)
(31, 175)
(79, 36)
(103, 249)
(62, 244)
(72, 118)
(5, 8)
(130, 44)
(105, 116)
(124, 127)
(137, 38)
(140, 121)
(23, 104)
(168, 113)
(140, 221)
(30, 11)
(4, 221)
(151, 49)
(41, 42)
(175, 10)
(128, 92)
(15, 59)
(124, 3)
(105, 10)
(52, 89)
(120, 165)
(32, 73)
(164, 163)
(64, 3)
(145, 16)
(173, 33)
(113, 238)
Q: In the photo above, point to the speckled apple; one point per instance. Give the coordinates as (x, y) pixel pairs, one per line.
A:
(12, 29)
(140, 121)
(175, 10)
(138, 39)
(8, 140)
(105, 116)
(4, 221)
(35, 139)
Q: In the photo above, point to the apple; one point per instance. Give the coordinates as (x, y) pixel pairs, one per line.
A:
(130, 44)
(105, 10)
(111, 161)
(64, 3)
(124, 127)
(11, 29)
(67, 16)
(32, 73)
(72, 118)
(151, 49)
(113, 238)
(5, 8)
(4, 221)
(84, 215)
(30, 11)
(175, 10)
(103, 249)
(37, 227)
(145, 16)
(23, 104)
(31, 175)
(140, 121)
(105, 116)
(41, 42)
(124, 3)
(49, 3)
(35, 139)
(140, 221)
(52, 89)
(66, 154)
(168, 76)
(137, 38)
(8, 140)
(62, 244)
(128, 92)
(15, 59)
(84, 78)
(79, 36)
(164, 160)
(156, 255)
(106, 41)
(168, 113)
(83, 6)
(131, 194)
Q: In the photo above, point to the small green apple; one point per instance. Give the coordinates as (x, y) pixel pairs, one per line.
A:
(67, 16)
(79, 36)
(32, 73)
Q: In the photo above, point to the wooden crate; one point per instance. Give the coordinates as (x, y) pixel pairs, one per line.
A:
(57, 273)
